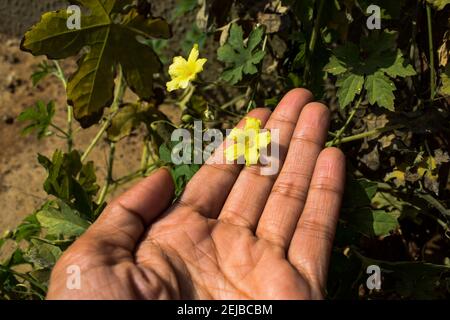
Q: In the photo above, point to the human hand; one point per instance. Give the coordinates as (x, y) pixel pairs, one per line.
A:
(234, 234)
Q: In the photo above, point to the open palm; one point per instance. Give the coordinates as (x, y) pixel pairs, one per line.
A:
(233, 234)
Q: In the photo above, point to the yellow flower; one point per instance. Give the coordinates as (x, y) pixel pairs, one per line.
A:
(248, 142)
(182, 71)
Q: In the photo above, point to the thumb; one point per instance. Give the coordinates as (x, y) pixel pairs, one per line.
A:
(124, 220)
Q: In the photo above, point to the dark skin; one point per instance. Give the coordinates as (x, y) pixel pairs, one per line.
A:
(234, 233)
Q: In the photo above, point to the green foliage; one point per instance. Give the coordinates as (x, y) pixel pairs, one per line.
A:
(359, 213)
(90, 89)
(183, 6)
(71, 181)
(193, 36)
(241, 59)
(372, 72)
(42, 70)
(129, 117)
(40, 117)
(60, 220)
(372, 222)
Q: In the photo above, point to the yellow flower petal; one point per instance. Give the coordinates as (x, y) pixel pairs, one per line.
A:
(234, 151)
(251, 155)
(199, 65)
(183, 71)
(263, 139)
(193, 55)
(248, 142)
(177, 67)
(236, 133)
(252, 123)
(183, 83)
(172, 85)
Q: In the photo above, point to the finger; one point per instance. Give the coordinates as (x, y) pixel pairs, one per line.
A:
(208, 189)
(123, 221)
(288, 195)
(246, 200)
(312, 242)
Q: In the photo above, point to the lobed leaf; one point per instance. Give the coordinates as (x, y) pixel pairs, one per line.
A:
(61, 221)
(109, 42)
(349, 86)
(380, 90)
(241, 59)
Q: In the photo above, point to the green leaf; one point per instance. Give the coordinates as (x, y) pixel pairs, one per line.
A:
(88, 180)
(42, 255)
(335, 66)
(128, 118)
(438, 4)
(380, 90)
(349, 86)
(43, 70)
(28, 228)
(241, 59)
(193, 36)
(358, 192)
(182, 174)
(40, 117)
(398, 68)
(344, 58)
(183, 6)
(61, 220)
(372, 63)
(70, 180)
(112, 38)
(165, 153)
(372, 222)
(379, 41)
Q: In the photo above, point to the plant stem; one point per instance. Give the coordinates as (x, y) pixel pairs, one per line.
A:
(232, 101)
(349, 119)
(365, 134)
(69, 135)
(109, 178)
(313, 41)
(118, 95)
(145, 154)
(252, 90)
(60, 73)
(435, 203)
(431, 53)
(96, 139)
(131, 176)
(187, 95)
(66, 135)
